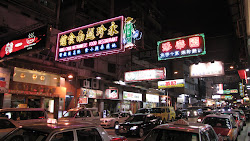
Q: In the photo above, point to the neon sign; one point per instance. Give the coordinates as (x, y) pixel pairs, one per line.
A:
(97, 39)
(192, 45)
(171, 83)
(130, 34)
(33, 40)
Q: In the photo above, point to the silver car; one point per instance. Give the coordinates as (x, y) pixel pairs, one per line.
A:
(81, 115)
(61, 131)
(114, 119)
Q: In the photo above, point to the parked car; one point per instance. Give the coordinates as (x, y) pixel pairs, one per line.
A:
(62, 131)
(137, 124)
(6, 126)
(182, 130)
(204, 113)
(236, 117)
(165, 113)
(242, 115)
(81, 115)
(181, 114)
(25, 115)
(223, 125)
(114, 119)
(194, 111)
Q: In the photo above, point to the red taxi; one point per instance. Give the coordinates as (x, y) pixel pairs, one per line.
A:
(224, 126)
(182, 130)
(237, 119)
(242, 115)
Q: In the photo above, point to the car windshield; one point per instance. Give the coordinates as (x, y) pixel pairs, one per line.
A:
(143, 111)
(114, 115)
(171, 135)
(70, 114)
(156, 110)
(206, 113)
(234, 115)
(136, 118)
(27, 135)
(217, 122)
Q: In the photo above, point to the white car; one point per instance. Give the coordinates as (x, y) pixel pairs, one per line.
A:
(114, 119)
(81, 115)
(6, 126)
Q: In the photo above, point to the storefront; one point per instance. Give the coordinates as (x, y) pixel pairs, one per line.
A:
(152, 101)
(4, 87)
(34, 89)
(131, 101)
(89, 98)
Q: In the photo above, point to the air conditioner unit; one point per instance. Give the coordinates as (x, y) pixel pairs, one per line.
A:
(86, 83)
(95, 83)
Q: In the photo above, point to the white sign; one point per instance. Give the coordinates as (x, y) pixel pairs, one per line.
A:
(132, 96)
(171, 83)
(149, 74)
(152, 98)
(216, 96)
(207, 69)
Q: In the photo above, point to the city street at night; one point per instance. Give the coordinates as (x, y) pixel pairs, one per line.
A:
(125, 70)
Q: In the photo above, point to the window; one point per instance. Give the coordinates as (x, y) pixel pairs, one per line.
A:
(111, 68)
(95, 113)
(171, 135)
(89, 62)
(204, 136)
(63, 136)
(212, 135)
(90, 134)
(80, 114)
(4, 124)
(88, 114)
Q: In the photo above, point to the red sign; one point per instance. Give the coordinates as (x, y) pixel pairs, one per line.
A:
(193, 45)
(111, 94)
(83, 100)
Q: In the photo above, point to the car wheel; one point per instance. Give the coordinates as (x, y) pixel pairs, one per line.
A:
(116, 123)
(141, 133)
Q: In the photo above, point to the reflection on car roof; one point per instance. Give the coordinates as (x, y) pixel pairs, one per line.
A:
(192, 127)
(218, 116)
(48, 128)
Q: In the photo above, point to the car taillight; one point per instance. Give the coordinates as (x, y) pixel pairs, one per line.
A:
(119, 139)
(229, 132)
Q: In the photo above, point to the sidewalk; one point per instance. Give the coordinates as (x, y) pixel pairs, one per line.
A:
(244, 133)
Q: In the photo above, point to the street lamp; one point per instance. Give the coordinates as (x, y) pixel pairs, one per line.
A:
(70, 76)
(231, 67)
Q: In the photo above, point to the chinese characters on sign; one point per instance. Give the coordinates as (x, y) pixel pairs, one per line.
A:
(96, 39)
(193, 45)
(171, 83)
(132, 96)
(30, 41)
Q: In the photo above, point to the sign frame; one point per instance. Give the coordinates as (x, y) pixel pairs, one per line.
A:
(94, 54)
(203, 52)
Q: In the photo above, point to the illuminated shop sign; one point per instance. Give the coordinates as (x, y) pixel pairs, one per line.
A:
(25, 43)
(241, 89)
(97, 39)
(83, 100)
(232, 91)
(149, 74)
(91, 93)
(171, 83)
(111, 94)
(207, 69)
(132, 96)
(152, 98)
(219, 88)
(216, 96)
(227, 97)
(192, 45)
(130, 33)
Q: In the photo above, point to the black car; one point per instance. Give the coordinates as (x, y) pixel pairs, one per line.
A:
(138, 124)
(144, 110)
(181, 114)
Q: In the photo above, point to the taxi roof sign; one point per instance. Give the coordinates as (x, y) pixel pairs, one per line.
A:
(181, 122)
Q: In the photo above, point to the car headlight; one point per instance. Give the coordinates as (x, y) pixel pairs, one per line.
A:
(195, 113)
(199, 120)
(188, 113)
(134, 128)
(117, 126)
